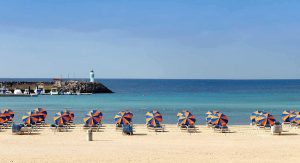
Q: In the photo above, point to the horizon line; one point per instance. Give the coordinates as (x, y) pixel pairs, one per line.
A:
(164, 78)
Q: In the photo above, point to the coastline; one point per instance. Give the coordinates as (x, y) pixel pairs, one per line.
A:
(243, 144)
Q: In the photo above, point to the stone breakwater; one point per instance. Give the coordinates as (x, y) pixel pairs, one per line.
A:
(62, 86)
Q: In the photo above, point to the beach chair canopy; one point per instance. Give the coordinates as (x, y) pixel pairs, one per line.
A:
(297, 119)
(123, 118)
(186, 118)
(30, 118)
(255, 114)
(265, 120)
(93, 117)
(60, 118)
(42, 113)
(8, 113)
(153, 118)
(288, 116)
(219, 119)
(209, 114)
(3, 119)
(70, 113)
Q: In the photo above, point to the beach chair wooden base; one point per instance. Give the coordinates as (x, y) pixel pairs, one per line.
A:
(59, 128)
(189, 128)
(156, 129)
(221, 129)
(119, 127)
(92, 128)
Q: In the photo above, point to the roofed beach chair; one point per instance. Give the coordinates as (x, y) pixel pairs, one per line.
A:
(219, 122)
(92, 120)
(154, 120)
(122, 119)
(288, 117)
(209, 114)
(186, 121)
(265, 121)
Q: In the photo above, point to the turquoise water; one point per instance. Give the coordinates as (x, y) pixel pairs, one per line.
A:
(235, 98)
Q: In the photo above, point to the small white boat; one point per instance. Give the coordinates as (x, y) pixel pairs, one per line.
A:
(18, 92)
(54, 91)
(26, 92)
(67, 93)
(3, 90)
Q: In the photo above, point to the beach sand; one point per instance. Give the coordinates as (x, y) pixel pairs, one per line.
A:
(243, 144)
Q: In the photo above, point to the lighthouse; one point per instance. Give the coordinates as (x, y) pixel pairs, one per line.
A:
(92, 76)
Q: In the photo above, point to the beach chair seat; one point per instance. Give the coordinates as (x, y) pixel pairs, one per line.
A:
(224, 129)
(221, 129)
(59, 128)
(85, 126)
(293, 124)
(42, 124)
(1, 126)
(9, 123)
(119, 127)
(62, 128)
(188, 128)
(94, 128)
(71, 124)
(191, 128)
(216, 127)
(267, 127)
(53, 127)
(286, 123)
(209, 125)
(182, 127)
(157, 128)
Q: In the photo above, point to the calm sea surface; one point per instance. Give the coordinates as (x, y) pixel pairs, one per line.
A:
(235, 98)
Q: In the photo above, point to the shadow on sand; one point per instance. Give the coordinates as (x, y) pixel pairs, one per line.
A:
(31, 134)
(140, 134)
(288, 134)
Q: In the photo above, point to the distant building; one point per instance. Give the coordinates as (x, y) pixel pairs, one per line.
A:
(92, 76)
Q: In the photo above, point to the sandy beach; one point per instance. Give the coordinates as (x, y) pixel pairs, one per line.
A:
(242, 144)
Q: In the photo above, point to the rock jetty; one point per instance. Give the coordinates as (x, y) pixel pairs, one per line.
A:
(62, 86)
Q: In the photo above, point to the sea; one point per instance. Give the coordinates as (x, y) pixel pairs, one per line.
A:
(235, 98)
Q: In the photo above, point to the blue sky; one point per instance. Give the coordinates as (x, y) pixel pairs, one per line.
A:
(150, 39)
